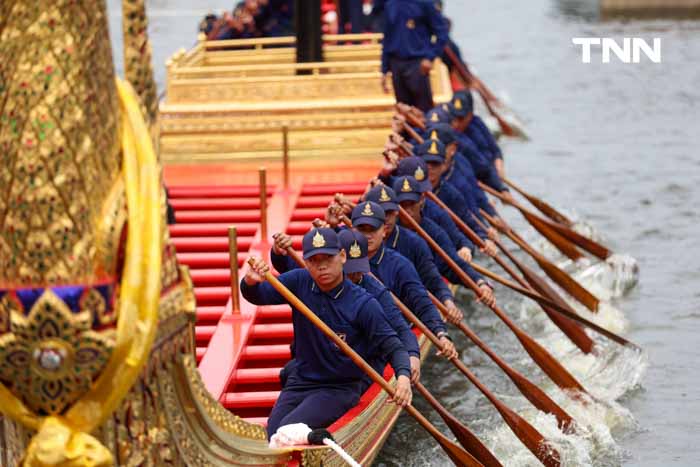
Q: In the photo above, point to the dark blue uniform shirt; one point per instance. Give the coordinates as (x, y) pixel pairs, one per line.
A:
(408, 28)
(398, 275)
(449, 195)
(462, 169)
(414, 248)
(480, 134)
(481, 164)
(351, 313)
(443, 219)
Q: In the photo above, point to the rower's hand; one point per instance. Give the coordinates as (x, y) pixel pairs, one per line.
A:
(415, 369)
(320, 224)
(333, 214)
(486, 295)
(402, 395)
(492, 233)
(454, 315)
(448, 349)
(506, 197)
(465, 253)
(498, 223)
(425, 66)
(257, 271)
(282, 242)
(385, 83)
(345, 203)
(489, 248)
(500, 167)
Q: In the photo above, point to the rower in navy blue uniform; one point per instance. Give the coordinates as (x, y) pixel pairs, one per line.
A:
(397, 273)
(325, 383)
(433, 153)
(409, 193)
(408, 50)
(411, 246)
(460, 174)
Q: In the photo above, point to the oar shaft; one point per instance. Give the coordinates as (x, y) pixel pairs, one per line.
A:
(293, 300)
(543, 206)
(412, 133)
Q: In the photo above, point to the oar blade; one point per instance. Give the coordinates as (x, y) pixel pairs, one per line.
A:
(542, 205)
(583, 242)
(531, 438)
(471, 443)
(562, 244)
(569, 284)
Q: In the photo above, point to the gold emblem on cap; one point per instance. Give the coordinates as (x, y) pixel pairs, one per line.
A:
(318, 240)
(434, 117)
(384, 196)
(445, 107)
(433, 134)
(355, 251)
(411, 24)
(367, 211)
(433, 148)
(406, 187)
(419, 174)
(458, 104)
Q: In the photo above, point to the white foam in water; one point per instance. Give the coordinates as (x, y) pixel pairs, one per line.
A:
(607, 375)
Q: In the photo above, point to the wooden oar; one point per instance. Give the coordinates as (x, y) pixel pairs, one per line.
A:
(572, 330)
(465, 437)
(458, 455)
(586, 243)
(539, 284)
(544, 359)
(533, 393)
(559, 276)
(529, 436)
(543, 206)
(491, 101)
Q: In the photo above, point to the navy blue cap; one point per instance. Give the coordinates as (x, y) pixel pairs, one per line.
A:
(431, 150)
(407, 189)
(441, 132)
(383, 196)
(355, 246)
(368, 213)
(437, 115)
(416, 168)
(322, 241)
(462, 104)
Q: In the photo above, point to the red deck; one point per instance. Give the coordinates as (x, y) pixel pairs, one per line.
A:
(240, 355)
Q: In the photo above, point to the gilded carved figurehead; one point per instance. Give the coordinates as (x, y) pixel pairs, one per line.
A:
(80, 272)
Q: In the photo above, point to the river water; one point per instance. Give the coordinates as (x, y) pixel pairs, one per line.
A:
(616, 147)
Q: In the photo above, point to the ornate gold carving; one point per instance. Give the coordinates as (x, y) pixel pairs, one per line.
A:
(50, 358)
(59, 146)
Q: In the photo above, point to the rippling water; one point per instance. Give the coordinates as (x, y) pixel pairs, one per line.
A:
(615, 146)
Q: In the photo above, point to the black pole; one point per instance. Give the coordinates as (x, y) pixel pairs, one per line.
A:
(307, 18)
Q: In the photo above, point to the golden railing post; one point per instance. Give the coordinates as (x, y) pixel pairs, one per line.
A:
(285, 156)
(233, 265)
(263, 204)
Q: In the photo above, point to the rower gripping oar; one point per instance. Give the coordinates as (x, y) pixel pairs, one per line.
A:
(458, 455)
(544, 359)
(542, 205)
(572, 330)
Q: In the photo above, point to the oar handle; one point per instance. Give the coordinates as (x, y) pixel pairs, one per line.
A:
(460, 223)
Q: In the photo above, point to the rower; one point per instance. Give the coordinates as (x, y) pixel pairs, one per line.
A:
(410, 245)
(397, 273)
(410, 196)
(484, 164)
(408, 50)
(462, 204)
(325, 383)
(356, 269)
(417, 167)
(460, 174)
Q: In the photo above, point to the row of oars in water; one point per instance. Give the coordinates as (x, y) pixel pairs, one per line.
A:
(473, 451)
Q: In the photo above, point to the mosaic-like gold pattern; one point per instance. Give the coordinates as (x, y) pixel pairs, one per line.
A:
(59, 140)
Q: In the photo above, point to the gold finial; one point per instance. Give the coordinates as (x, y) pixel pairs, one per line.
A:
(458, 104)
(434, 117)
(367, 211)
(62, 204)
(433, 148)
(419, 174)
(355, 251)
(384, 196)
(433, 134)
(406, 187)
(318, 240)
